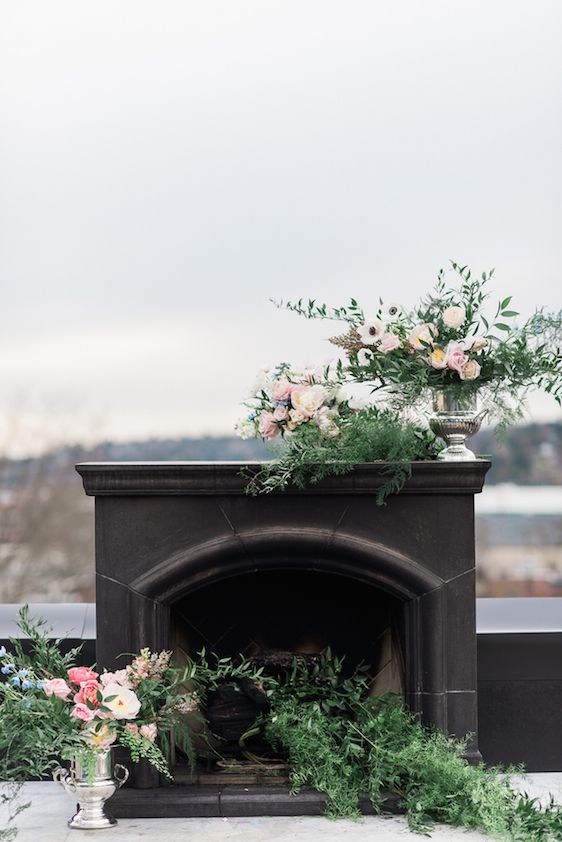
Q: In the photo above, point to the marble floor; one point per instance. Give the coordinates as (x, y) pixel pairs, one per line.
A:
(45, 821)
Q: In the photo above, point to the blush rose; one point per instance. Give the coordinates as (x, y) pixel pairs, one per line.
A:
(57, 687)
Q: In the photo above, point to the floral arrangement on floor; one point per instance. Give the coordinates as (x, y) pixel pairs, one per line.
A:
(451, 339)
(50, 708)
(318, 717)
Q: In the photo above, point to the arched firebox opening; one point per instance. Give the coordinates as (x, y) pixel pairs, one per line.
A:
(273, 618)
(296, 612)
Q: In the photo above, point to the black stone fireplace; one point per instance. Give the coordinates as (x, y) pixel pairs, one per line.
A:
(184, 559)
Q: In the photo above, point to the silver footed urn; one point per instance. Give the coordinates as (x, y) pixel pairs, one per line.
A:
(455, 418)
(92, 790)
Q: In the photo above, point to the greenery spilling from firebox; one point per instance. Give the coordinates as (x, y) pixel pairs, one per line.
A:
(341, 742)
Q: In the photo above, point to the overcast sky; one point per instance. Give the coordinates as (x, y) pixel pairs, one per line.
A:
(166, 167)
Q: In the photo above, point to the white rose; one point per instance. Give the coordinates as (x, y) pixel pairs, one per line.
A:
(454, 316)
(120, 701)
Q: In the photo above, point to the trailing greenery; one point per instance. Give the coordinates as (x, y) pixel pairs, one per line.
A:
(371, 435)
(340, 742)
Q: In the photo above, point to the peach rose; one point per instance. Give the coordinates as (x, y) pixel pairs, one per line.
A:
(455, 356)
(281, 389)
(88, 693)
(470, 370)
(479, 343)
(82, 712)
(57, 687)
(389, 342)
(267, 426)
(425, 334)
(454, 316)
(79, 674)
(307, 399)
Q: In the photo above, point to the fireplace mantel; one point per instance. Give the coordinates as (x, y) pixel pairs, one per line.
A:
(210, 478)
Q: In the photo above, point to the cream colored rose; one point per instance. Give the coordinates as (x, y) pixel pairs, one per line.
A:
(479, 343)
(470, 370)
(295, 418)
(454, 316)
(422, 336)
(307, 399)
(120, 701)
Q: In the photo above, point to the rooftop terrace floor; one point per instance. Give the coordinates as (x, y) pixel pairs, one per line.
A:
(46, 819)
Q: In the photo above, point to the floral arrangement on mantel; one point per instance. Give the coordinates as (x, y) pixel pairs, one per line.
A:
(448, 343)
(50, 708)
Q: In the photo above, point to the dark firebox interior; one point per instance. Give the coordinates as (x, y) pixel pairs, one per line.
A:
(276, 615)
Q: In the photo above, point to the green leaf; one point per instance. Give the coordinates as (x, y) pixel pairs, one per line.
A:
(502, 326)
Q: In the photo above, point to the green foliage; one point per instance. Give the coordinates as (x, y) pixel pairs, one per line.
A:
(140, 746)
(373, 435)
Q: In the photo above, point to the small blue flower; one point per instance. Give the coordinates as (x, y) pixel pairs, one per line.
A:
(27, 685)
(2, 651)
(14, 680)
(40, 685)
(251, 416)
(23, 673)
(8, 668)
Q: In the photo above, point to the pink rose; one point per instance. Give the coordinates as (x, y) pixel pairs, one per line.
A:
(281, 413)
(149, 731)
(455, 356)
(79, 674)
(57, 687)
(88, 692)
(281, 389)
(267, 426)
(82, 712)
(389, 342)
(130, 726)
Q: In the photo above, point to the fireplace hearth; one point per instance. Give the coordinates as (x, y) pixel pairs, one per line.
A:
(185, 559)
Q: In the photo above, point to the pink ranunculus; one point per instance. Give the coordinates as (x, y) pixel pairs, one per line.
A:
(82, 712)
(79, 674)
(88, 692)
(57, 687)
(455, 356)
(389, 342)
(131, 726)
(149, 731)
(267, 426)
(118, 677)
(281, 413)
(281, 389)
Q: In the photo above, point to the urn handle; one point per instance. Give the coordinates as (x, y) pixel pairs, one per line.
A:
(121, 774)
(65, 778)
